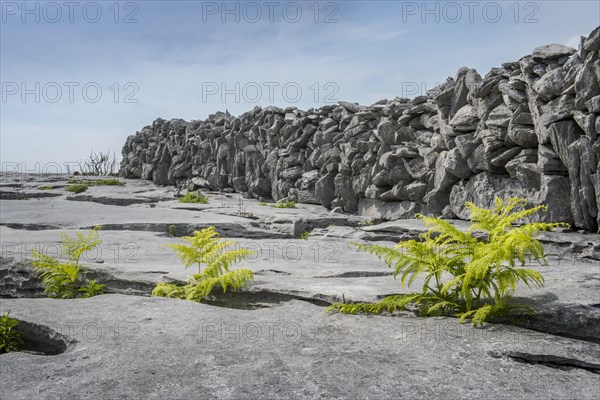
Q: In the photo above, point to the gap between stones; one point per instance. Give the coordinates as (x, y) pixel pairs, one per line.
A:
(548, 360)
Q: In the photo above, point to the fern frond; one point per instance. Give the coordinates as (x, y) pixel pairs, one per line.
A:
(200, 289)
(188, 255)
(457, 280)
(167, 290)
(478, 316)
(223, 261)
(441, 306)
(388, 304)
(483, 271)
(92, 288)
(42, 261)
(208, 249)
(236, 279)
(73, 248)
(530, 277)
(482, 219)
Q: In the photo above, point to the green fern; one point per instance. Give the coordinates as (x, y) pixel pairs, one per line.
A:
(207, 250)
(483, 273)
(92, 288)
(73, 248)
(10, 338)
(62, 280)
(167, 290)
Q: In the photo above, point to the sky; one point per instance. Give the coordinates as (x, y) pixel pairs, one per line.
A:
(81, 76)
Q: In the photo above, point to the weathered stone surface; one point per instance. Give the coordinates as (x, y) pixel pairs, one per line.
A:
(582, 165)
(587, 123)
(562, 134)
(555, 193)
(256, 342)
(551, 52)
(456, 164)
(523, 135)
(593, 104)
(549, 161)
(465, 120)
(220, 353)
(482, 190)
(586, 84)
(416, 191)
(466, 144)
(325, 189)
(503, 158)
(499, 117)
(550, 85)
(561, 108)
(387, 210)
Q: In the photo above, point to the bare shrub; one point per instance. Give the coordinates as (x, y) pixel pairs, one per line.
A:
(100, 164)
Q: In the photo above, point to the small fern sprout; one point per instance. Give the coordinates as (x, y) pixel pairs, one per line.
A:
(92, 288)
(73, 248)
(210, 253)
(62, 280)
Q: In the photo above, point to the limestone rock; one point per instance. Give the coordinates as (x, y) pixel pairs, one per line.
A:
(465, 120)
(551, 52)
(521, 119)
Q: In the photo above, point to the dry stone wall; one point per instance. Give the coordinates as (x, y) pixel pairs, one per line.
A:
(529, 128)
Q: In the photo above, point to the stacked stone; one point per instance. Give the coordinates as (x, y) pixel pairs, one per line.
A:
(529, 129)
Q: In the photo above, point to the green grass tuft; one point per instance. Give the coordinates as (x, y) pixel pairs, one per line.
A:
(77, 188)
(97, 182)
(285, 204)
(191, 197)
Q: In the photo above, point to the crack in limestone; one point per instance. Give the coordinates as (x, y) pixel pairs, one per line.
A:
(548, 360)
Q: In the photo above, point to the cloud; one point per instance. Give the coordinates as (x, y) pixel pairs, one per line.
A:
(170, 55)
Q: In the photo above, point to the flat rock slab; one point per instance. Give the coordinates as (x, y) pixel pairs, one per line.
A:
(135, 347)
(321, 268)
(273, 340)
(143, 206)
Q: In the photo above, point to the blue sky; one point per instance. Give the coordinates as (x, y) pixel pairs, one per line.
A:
(188, 59)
